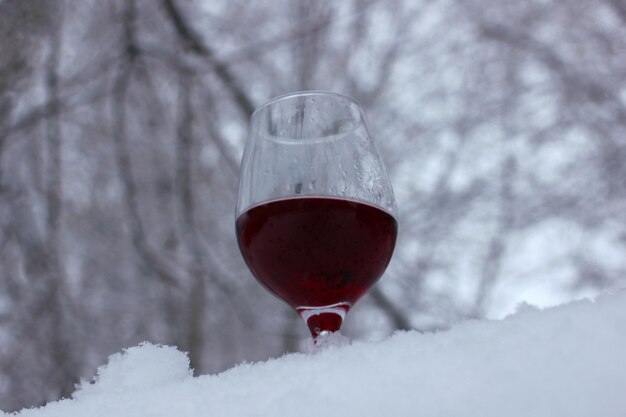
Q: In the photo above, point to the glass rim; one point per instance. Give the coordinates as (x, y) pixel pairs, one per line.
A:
(304, 93)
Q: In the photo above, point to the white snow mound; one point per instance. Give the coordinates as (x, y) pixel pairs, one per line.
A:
(565, 361)
(139, 368)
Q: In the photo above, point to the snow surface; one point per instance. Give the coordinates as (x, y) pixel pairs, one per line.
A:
(564, 361)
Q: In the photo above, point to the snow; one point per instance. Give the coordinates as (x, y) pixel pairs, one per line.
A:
(564, 361)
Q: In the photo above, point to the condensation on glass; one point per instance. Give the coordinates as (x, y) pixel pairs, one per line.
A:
(312, 144)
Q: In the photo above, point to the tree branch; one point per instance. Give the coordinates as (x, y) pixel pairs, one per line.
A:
(193, 41)
(497, 247)
(572, 79)
(122, 155)
(619, 6)
(399, 320)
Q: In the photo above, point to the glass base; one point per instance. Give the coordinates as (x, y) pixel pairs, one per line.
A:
(327, 340)
(324, 319)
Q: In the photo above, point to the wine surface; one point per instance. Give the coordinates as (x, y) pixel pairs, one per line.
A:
(316, 251)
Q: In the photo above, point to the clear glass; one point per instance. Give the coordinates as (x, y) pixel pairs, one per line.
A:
(310, 167)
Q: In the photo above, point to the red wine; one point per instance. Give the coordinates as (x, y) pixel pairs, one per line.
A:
(317, 251)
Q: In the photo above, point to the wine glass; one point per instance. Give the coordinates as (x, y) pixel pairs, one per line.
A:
(315, 216)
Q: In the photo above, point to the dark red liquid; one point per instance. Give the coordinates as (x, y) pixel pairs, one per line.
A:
(317, 251)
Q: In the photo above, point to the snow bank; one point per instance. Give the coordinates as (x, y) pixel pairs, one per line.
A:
(565, 361)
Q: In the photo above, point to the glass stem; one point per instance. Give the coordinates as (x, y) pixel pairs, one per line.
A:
(324, 319)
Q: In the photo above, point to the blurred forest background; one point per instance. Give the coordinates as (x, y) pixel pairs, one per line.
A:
(122, 122)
